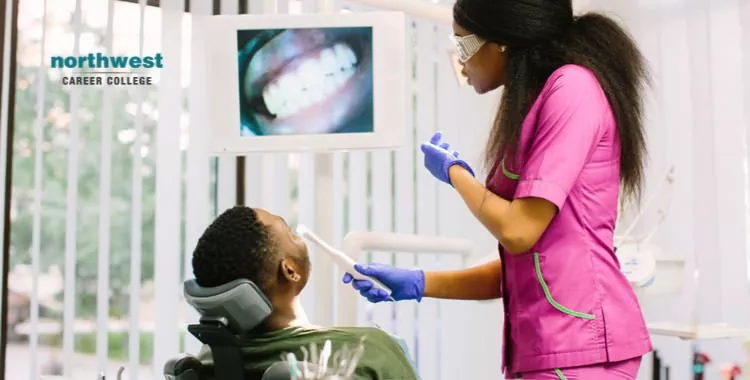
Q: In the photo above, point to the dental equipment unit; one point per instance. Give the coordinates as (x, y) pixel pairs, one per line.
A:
(329, 365)
(637, 254)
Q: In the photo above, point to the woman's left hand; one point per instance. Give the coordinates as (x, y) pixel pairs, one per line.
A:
(438, 158)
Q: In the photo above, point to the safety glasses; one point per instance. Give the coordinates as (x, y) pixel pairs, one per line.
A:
(466, 46)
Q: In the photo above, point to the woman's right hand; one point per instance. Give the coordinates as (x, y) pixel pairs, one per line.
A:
(405, 284)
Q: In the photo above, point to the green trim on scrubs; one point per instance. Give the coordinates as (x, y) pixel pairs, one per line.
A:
(548, 295)
(508, 174)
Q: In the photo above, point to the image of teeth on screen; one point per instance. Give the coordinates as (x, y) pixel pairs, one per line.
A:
(304, 81)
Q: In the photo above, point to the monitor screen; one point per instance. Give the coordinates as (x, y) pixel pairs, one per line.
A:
(311, 82)
(305, 81)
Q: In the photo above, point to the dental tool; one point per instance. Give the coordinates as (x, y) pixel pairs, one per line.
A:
(354, 358)
(341, 259)
(292, 360)
(324, 355)
(338, 358)
(330, 365)
(314, 354)
(101, 376)
(305, 358)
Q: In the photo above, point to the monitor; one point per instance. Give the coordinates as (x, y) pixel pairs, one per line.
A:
(310, 82)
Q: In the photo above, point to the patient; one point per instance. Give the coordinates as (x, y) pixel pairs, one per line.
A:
(259, 246)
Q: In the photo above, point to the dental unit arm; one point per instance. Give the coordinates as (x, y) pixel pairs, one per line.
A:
(637, 255)
(416, 8)
(356, 242)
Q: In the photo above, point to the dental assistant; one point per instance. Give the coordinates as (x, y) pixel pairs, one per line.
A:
(567, 137)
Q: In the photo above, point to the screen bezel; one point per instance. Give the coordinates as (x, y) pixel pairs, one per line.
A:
(222, 108)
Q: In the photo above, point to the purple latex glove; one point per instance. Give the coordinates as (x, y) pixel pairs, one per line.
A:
(405, 284)
(438, 158)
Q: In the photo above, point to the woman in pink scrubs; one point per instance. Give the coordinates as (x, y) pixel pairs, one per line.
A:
(568, 135)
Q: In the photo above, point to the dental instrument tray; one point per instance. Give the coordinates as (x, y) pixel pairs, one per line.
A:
(341, 259)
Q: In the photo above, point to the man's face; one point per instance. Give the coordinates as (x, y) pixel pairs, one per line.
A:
(295, 265)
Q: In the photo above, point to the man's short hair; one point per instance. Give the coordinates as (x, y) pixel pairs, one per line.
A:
(236, 245)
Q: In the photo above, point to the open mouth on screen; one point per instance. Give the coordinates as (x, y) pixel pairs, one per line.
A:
(306, 81)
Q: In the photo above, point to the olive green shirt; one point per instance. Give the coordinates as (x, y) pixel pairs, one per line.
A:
(383, 358)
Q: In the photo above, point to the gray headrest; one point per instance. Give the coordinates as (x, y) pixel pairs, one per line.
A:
(241, 303)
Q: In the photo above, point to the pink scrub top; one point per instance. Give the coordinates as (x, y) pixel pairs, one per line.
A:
(567, 303)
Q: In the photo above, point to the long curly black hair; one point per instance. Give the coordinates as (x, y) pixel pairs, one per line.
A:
(543, 35)
(236, 245)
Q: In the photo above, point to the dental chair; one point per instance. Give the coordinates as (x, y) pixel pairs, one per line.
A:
(228, 313)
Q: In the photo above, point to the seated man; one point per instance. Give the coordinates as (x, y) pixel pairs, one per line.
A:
(259, 246)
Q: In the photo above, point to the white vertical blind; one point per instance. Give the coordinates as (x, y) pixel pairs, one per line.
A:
(706, 192)
(253, 178)
(426, 201)
(38, 177)
(654, 116)
(167, 271)
(381, 202)
(136, 218)
(71, 219)
(227, 7)
(725, 41)
(356, 198)
(405, 197)
(282, 6)
(227, 183)
(227, 165)
(452, 341)
(308, 6)
(105, 187)
(306, 216)
(324, 188)
(275, 183)
(339, 228)
(198, 206)
(269, 6)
